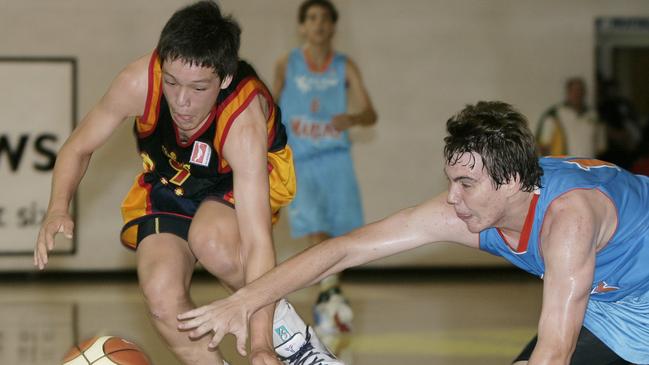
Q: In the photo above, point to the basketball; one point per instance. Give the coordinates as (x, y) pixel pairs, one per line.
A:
(106, 350)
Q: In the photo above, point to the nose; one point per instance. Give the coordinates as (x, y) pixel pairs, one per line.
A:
(182, 98)
(452, 197)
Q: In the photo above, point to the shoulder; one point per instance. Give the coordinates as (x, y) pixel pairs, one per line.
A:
(571, 201)
(282, 62)
(136, 73)
(352, 71)
(579, 208)
(128, 91)
(281, 65)
(351, 65)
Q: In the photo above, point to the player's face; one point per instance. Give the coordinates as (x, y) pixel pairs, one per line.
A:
(318, 27)
(472, 194)
(191, 92)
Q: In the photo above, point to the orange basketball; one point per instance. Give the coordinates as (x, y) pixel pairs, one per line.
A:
(106, 350)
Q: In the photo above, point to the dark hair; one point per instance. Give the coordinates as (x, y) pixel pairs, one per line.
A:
(304, 8)
(500, 135)
(199, 35)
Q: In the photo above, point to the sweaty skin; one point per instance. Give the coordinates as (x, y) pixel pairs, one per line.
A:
(576, 225)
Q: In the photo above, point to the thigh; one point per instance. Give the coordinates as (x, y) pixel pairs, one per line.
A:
(344, 209)
(307, 210)
(164, 263)
(589, 350)
(214, 234)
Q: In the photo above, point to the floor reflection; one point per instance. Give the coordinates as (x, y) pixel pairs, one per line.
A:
(449, 318)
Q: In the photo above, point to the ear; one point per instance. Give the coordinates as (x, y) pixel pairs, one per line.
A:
(513, 186)
(227, 80)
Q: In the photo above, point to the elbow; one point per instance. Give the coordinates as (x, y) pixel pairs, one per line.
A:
(372, 117)
(74, 151)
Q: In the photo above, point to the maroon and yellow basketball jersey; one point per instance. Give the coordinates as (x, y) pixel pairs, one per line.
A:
(179, 175)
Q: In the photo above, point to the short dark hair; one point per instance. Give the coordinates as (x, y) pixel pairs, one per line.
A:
(501, 136)
(306, 5)
(199, 35)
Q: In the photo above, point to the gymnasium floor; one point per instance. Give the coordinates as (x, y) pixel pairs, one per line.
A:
(402, 317)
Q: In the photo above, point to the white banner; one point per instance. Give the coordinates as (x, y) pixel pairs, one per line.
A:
(37, 99)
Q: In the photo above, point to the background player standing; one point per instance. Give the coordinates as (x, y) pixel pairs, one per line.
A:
(315, 84)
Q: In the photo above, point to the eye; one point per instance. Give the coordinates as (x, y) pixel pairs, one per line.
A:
(169, 82)
(200, 88)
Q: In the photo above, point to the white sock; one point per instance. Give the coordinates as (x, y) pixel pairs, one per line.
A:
(286, 323)
(329, 282)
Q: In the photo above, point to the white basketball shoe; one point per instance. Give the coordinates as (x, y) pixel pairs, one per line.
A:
(295, 342)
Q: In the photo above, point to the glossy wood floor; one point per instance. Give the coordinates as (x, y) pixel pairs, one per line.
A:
(414, 317)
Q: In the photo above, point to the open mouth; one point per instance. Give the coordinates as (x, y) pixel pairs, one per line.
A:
(183, 117)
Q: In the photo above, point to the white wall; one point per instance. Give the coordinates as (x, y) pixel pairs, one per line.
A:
(422, 60)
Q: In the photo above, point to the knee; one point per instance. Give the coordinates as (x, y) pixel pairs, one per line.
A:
(164, 299)
(216, 252)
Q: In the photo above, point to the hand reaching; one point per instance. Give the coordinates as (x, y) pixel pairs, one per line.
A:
(342, 122)
(220, 317)
(53, 223)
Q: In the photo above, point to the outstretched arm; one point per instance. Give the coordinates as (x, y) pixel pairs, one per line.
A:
(125, 97)
(432, 221)
(575, 225)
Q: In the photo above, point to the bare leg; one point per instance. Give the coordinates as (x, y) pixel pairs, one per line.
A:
(216, 243)
(331, 312)
(214, 239)
(165, 266)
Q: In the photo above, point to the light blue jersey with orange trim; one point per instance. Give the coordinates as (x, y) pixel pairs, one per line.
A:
(310, 99)
(621, 277)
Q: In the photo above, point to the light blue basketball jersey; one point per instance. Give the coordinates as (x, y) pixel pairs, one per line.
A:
(618, 309)
(308, 102)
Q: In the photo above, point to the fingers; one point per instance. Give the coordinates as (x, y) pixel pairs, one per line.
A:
(190, 324)
(202, 330)
(201, 326)
(67, 228)
(242, 337)
(40, 252)
(203, 320)
(53, 224)
(44, 244)
(216, 339)
(193, 313)
(198, 320)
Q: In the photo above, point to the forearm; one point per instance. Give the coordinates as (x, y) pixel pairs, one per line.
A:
(380, 239)
(554, 345)
(365, 118)
(68, 171)
(312, 265)
(256, 263)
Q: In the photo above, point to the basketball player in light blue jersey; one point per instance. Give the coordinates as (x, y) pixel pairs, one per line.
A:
(580, 225)
(313, 84)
